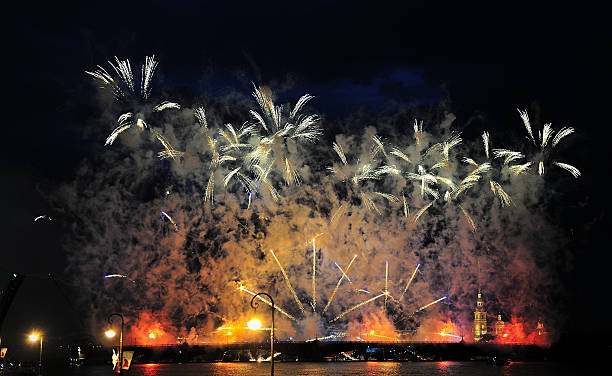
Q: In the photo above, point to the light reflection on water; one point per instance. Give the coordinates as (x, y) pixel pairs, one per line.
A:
(335, 369)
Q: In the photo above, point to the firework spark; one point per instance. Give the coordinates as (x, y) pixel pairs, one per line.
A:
(288, 282)
(331, 298)
(430, 304)
(409, 281)
(265, 300)
(543, 142)
(124, 89)
(358, 306)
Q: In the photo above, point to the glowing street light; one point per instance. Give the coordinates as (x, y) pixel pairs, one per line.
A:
(254, 324)
(110, 333)
(255, 321)
(34, 337)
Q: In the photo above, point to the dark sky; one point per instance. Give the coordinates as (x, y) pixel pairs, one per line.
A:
(489, 58)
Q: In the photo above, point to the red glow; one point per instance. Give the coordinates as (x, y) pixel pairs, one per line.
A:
(150, 330)
(519, 332)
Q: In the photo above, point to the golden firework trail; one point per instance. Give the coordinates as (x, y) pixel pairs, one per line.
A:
(265, 300)
(469, 219)
(314, 275)
(386, 281)
(421, 211)
(358, 306)
(331, 298)
(397, 152)
(343, 273)
(418, 131)
(430, 304)
(337, 214)
(410, 281)
(499, 192)
(288, 282)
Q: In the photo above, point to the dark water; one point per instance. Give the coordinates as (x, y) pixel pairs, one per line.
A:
(339, 369)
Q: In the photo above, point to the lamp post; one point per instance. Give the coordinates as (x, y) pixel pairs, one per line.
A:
(111, 333)
(254, 306)
(35, 337)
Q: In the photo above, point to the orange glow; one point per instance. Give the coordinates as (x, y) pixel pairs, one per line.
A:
(150, 330)
(254, 324)
(33, 337)
(448, 333)
(519, 332)
(110, 333)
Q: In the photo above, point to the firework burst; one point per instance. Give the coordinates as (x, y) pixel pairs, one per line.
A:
(546, 141)
(125, 93)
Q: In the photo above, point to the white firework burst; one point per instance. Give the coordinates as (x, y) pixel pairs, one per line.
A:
(124, 91)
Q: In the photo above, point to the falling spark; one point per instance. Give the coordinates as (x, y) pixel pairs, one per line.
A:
(331, 298)
(406, 210)
(164, 214)
(242, 288)
(421, 211)
(430, 304)
(337, 214)
(358, 305)
(571, 169)
(288, 282)
(468, 217)
(409, 281)
(42, 217)
(418, 131)
(314, 273)
(386, 281)
(119, 276)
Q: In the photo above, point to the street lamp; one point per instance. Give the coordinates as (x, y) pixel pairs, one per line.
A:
(254, 306)
(33, 338)
(110, 333)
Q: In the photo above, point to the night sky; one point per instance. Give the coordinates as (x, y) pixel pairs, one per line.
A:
(371, 58)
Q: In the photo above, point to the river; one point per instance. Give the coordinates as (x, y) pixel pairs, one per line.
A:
(338, 369)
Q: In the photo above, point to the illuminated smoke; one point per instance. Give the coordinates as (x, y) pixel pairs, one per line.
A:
(238, 192)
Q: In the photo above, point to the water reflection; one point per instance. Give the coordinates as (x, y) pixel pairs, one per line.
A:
(335, 369)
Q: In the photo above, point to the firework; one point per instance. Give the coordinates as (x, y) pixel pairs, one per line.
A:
(358, 306)
(165, 215)
(124, 88)
(331, 298)
(544, 138)
(430, 304)
(288, 282)
(314, 276)
(409, 281)
(280, 130)
(265, 300)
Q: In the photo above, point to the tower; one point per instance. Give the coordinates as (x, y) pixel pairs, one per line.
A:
(480, 319)
(499, 326)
